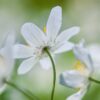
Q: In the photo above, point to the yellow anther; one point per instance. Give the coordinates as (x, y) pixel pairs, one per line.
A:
(80, 67)
(44, 29)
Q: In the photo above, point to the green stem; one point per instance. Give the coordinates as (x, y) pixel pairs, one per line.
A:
(54, 73)
(94, 80)
(20, 90)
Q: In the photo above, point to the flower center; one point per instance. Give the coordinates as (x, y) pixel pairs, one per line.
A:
(45, 48)
(80, 66)
(41, 51)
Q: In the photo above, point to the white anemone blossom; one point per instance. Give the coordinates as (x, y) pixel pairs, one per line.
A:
(79, 77)
(38, 40)
(6, 61)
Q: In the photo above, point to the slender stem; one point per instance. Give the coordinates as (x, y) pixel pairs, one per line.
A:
(94, 80)
(54, 73)
(20, 90)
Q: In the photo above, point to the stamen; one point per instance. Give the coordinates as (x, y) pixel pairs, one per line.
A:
(44, 29)
(80, 67)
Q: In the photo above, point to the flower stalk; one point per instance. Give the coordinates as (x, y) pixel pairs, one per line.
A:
(94, 80)
(54, 73)
(20, 90)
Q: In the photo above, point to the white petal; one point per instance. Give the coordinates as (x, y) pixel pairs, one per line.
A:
(10, 39)
(82, 43)
(27, 65)
(67, 34)
(46, 63)
(94, 50)
(73, 79)
(6, 61)
(79, 95)
(33, 35)
(66, 46)
(7, 53)
(7, 49)
(83, 55)
(54, 22)
(22, 51)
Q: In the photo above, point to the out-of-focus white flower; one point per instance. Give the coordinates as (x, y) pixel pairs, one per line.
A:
(6, 61)
(38, 40)
(79, 77)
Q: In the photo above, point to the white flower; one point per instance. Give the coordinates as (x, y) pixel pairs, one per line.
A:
(6, 61)
(79, 77)
(38, 40)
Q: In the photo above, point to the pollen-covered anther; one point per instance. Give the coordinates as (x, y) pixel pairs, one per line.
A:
(44, 29)
(80, 67)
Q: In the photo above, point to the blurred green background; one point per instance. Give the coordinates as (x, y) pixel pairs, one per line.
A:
(83, 13)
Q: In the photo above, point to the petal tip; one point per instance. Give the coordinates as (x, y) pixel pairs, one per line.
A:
(25, 25)
(20, 71)
(77, 29)
(57, 7)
